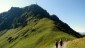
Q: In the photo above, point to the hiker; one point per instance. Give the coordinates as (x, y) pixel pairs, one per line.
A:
(61, 43)
(56, 44)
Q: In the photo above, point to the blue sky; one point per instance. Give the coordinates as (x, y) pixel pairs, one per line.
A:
(71, 12)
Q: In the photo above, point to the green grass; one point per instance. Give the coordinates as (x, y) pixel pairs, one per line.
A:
(37, 34)
(78, 43)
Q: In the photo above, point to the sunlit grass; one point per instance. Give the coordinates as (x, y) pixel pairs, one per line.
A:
(39, 34)
(78, 43)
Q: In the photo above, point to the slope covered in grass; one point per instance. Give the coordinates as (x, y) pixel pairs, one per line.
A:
(41, 35)
(78, 43)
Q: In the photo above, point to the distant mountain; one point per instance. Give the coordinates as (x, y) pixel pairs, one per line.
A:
(83, 33)
(34, 25)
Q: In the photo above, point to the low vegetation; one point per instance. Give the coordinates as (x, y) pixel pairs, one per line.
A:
(77, 43)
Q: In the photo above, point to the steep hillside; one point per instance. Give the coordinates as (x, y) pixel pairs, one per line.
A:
(32, 27)
(41, 35)
(78, 43)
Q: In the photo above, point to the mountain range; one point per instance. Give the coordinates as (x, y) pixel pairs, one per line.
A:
(32, 27)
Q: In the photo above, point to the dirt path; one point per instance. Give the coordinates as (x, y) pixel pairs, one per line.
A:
(64, 45)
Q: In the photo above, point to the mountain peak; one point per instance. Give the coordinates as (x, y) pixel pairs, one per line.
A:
(34, 5)
(35, 9)
(14, 8)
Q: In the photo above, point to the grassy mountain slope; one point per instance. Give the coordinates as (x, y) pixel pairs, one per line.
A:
(41, 35)
(78, 43)
(32, 27)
